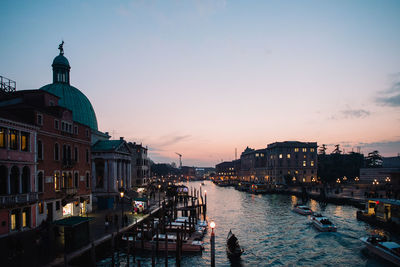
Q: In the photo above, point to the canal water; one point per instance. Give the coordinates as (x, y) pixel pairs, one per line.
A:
(271, 234)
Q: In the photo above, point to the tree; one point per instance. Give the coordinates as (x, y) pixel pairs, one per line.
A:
(322, 149)
(374, 159)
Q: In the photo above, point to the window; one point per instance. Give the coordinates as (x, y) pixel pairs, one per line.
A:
(75, 129)
(304, 149)
(56, 124)
(40, 207)
(57, 181)
(76, 180)
(76, 154)
(51, 103)
(304, 163)
(87, 180)
(13, 139)
(25, 141)
(280, 156)
(40, 119)
(40, 182)
(87, 155)
(24, 219)
(62, 126)
(56, 152)
(87, 133)
(39, 149)
(305, 156)
(2, 137)
(296, 150)
(312, 163)
(257, 155)
(312, 149)
(58, 205)
(288, 156)
(13, 221)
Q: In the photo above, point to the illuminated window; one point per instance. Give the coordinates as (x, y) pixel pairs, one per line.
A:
(304, 163)
(288, 172)
(296, 150)
(24, 223)
(304, 149)
(41, 208)
(257, 155)
(305, 156)
(312, 149)
(57, 181)
(13, 139)
(13, 222)
(288, 156)
(296, 172)
(280, 156)
(2, 137)
(24, 141)
(312, 163)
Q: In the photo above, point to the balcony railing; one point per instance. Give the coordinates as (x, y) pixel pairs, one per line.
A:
(68, 163)
(69, 191)
(19, 199)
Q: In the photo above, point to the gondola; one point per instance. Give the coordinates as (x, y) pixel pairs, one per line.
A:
(232, 246)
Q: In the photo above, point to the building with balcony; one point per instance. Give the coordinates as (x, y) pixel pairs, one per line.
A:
(64, 119)
(291, 161)
(140, 164)
(18, 192)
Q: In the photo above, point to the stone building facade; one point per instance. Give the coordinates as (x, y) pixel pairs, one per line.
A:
(18, 194)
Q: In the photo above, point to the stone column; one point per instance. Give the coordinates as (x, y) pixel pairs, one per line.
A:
(114, 184)
(105, 178)
(8, 180)
(20, 180)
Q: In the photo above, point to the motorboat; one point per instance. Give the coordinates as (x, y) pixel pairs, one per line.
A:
(233, 248)
(379, 245)
(322, 223)
(303, 210)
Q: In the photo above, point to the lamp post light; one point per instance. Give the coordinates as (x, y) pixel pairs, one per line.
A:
(122, 193)
(159, 192)
(212, 241)
(356, 179)
(387, 180)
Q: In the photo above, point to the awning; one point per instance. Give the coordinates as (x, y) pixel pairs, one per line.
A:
(72, 221)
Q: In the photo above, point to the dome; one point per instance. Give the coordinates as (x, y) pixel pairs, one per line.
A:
(74, 100)
(61, 60)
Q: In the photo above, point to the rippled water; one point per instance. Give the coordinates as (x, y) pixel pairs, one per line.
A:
(273, 235)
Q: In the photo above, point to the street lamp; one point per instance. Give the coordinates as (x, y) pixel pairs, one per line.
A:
(159, 192)
(387, 180)
(212, 241)
(357, 179)
(121, 194)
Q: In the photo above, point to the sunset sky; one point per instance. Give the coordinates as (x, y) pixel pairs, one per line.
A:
(205, 77)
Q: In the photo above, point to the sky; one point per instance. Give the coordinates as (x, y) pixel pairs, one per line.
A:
(203, 78)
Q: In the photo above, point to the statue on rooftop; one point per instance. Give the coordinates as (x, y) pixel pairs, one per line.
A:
(60, 47)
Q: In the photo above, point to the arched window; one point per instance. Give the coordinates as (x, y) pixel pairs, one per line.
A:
(87, 180)
(25, 179)
(14, 180)
(40, 182)
(3, 179)
(76, 180)
(56, 152)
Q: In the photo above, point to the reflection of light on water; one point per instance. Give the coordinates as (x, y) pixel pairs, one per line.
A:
(252, 196)
(294, 200)
(259, 196)
(313, 205)
(338, 211)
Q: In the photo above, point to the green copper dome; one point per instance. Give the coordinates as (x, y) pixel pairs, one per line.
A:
(61, 60)
(70, 97)
(73, 99)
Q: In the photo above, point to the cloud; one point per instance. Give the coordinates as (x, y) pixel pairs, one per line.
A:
(391, 96)
(350, 113)
(169, 140)
(355, 113)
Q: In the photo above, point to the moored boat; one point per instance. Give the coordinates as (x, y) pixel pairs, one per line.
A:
(379, 245)
(323, 224)
(232, 246)
(303, 210)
